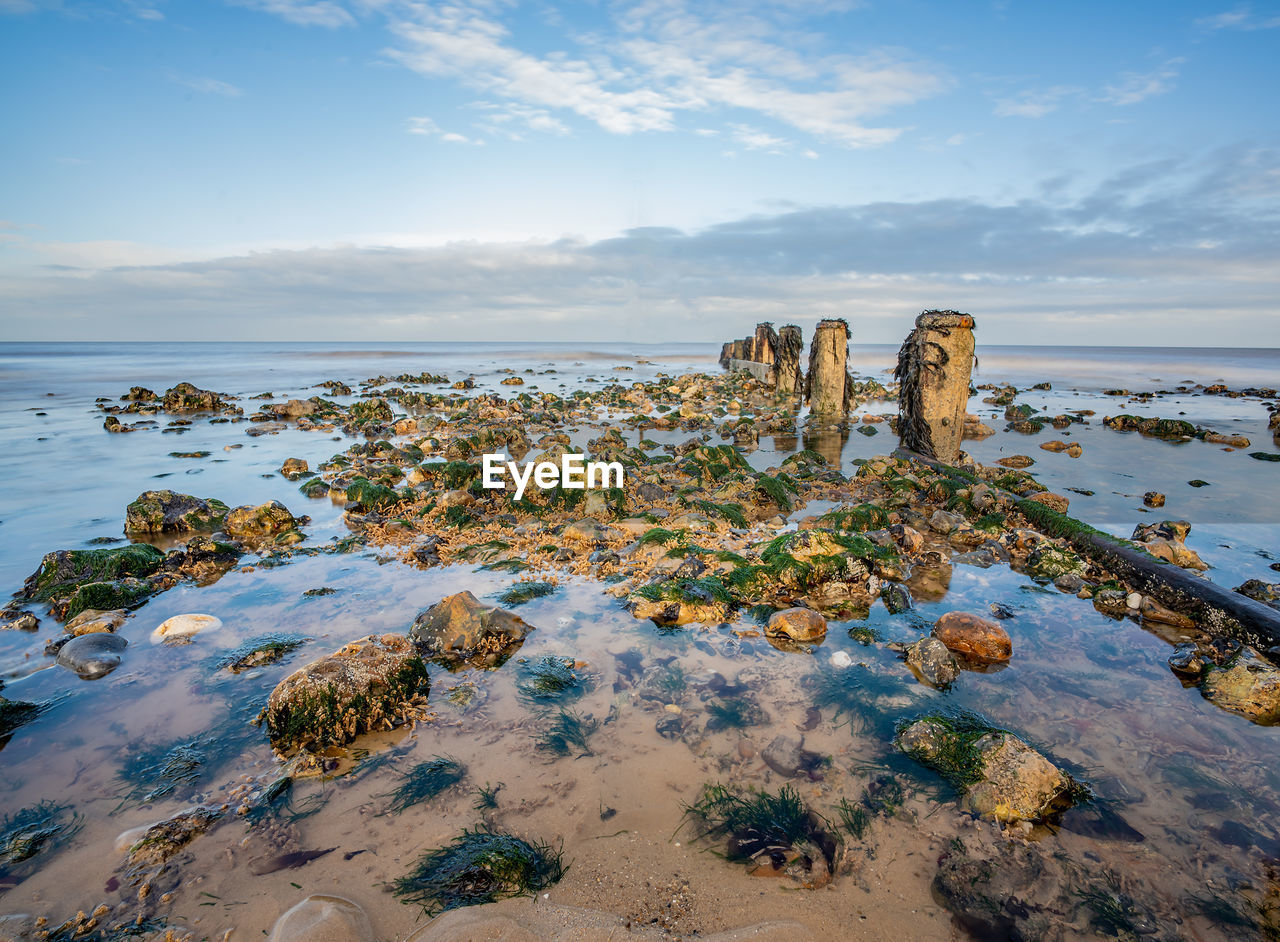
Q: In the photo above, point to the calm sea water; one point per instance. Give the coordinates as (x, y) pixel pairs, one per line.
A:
(1199, 784)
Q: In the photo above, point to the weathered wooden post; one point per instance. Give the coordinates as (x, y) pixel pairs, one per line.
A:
(789, 376)
(764, 345)
(934, 366)
(828, 378)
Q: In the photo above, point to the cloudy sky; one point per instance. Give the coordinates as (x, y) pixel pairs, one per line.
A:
(659, 169)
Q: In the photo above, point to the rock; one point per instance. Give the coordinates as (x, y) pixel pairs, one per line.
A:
(1055, 446)
(94, 655)
(1152, 610)
(265, 521)
(944, 522)
(652, 493)
(455, 498)
(1020, 894)
(161, 841)
(1246, 684)
(188, 398)
(373, 683)
(1053, 501)
(184, 627)
(788, 375)
(171, 512)
(786, 756)
(896, 598)
(973, 637)
(588, 530)
(24, 622)
(371, 411)
(975, 428)
(1153, 499)
(366, 495)
(323, 919)
(1164, 540)
(140, 394)
(460, 628)
(75, 580)
(1048, 562)
(797, 624)
(295, 408)
(999, 775)
(1268, 593)
(93, 621)
(294, 468)
(933, 662)
(1016, 461)
(1187, 660)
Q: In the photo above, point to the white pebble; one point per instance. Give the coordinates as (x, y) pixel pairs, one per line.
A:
(184, 626)
(841, 659)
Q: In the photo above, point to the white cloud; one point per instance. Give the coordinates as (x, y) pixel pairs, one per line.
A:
(663, 59)
(755, 139)
(1034, 103)
(209, 86)
(1186, 252)
(1135, 87)
(428, 128)
(1242, 18)
(327, 13)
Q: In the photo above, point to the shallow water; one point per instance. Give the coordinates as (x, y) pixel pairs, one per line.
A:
(1200, 786)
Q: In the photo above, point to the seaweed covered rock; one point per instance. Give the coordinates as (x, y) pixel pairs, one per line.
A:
(366, 495)
(186, 397)
(72, 581)
(171, 512)
(373, 683)
(1247, 684)
(270, 521)
(459, 628)
(1048, 562)
(373, 411)
(1168, 429)
(679, 601)
(997, 774)
(164, 839)
(974, 638)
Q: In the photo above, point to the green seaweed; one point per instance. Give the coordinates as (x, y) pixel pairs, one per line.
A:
(14, 714)
(34, 829)
(550, 680)
(367, 495)
(265, 649)
(568, 734)
(153, 772)
(477, 867)
(425, 781)
(955, 756)
(277, 803)
(487, 796)
(754, 822)
(522, 592)
(734, 713)
(853, 818)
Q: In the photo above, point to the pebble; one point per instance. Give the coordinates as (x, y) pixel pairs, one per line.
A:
(841, 659)
(1133, 600)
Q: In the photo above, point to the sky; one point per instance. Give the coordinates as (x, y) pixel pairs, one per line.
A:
(339, 170)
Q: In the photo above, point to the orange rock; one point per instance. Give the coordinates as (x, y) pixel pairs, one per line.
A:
(973, 637)
(798, 624)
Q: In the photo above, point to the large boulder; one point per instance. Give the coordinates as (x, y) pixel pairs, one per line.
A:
(974, 638)
(459, 628)
(72, 581)
(998, 775)
(373, 683)
(1167, 540)
(171, 512)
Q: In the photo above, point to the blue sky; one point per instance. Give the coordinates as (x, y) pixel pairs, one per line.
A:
(389, 169)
